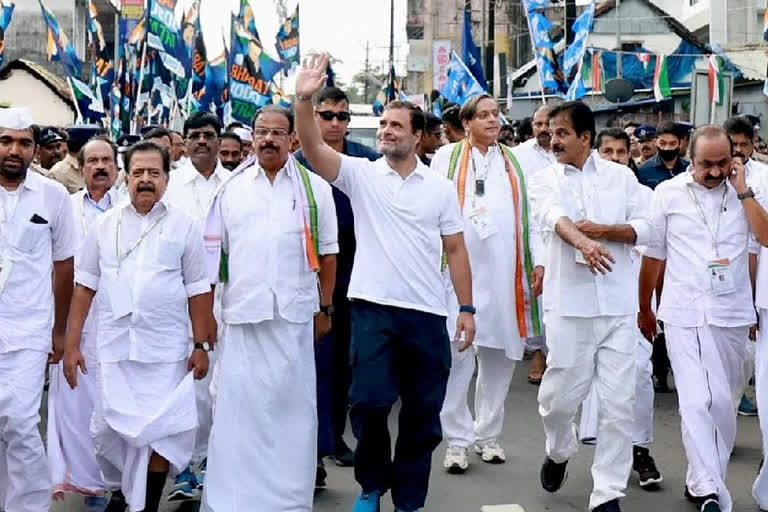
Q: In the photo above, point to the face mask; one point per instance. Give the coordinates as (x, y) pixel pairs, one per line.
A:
(669, 154)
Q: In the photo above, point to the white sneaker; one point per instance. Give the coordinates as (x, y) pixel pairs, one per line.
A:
(491, 452)
(456, 461)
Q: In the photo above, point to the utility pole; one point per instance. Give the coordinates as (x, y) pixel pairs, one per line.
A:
(570, 17)
(391, 34)
(367, 69)
(490, 51)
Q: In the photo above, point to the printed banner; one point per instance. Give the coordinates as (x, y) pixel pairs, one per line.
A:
(102, 69)
(441, 63)
(461, 84)
(288, 42)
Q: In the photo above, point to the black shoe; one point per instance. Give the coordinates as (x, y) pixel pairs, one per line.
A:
(117, 503)
(608, 506)
(643, 463)
(553, 475)
(320, 475)
(700, 501)
(344, 457)
(710, 504)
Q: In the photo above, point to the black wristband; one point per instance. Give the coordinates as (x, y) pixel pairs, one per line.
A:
(467, 309)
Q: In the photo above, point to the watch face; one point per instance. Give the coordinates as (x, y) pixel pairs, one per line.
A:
(206, 346)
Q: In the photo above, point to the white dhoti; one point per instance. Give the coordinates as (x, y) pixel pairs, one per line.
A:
(760, 487)
(25, 483)
(642, 429)
(263, 445)
(71, 454)
(143, 408)
(583, 350)
(494, 375)
(204, 408)
(708, 363)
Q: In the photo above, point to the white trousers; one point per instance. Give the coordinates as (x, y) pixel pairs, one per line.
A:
(71, 454)
(642, 428)
(582, 350)
(143, 408)
(263, 445)
(708, 363)
(760, 487)
(25, 483)
(494, 375)
(204, 402)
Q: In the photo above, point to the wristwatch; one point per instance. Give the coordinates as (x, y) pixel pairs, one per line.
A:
(204, 346)
(303, 98)
(468, 309)
(746, 195)
(329, 310)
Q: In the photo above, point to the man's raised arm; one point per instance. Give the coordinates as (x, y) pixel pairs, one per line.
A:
(310, 79)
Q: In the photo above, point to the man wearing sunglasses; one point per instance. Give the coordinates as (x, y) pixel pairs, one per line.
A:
(332, 354)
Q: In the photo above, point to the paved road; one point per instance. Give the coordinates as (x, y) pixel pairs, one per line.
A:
(517, 481)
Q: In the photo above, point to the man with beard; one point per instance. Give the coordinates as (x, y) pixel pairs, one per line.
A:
(646, 143)
(332, 353)
(191, 188)
(71, 453)
(37, 244)
(534, 156)
(230, 151)
(50, 150)
(703, 219)
(178, 150)
(492, 194)
(405, 215)
(147, 257)
(590, 212)
(271, 238)
(68, 172)
(667, 162)
(613, 144)
(246, 140)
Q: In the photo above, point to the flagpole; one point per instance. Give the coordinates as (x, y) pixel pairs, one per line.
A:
(140, 85)
(74, 99)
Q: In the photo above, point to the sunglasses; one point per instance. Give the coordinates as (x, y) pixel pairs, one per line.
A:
(327, 115)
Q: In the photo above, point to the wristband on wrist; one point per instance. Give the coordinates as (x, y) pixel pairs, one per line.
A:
(467, 309)
(746, 195)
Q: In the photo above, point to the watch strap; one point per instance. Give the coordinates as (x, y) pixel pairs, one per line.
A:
(467, 309)
(746, 195)
(303, 98)
(200, 346)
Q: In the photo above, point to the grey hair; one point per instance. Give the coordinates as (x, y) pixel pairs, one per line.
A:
(468, 111)
(708, 131)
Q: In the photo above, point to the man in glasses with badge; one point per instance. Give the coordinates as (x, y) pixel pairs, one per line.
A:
(37, 245)
(332, 353)
(703, 219)
(147, 258)
(492, 195)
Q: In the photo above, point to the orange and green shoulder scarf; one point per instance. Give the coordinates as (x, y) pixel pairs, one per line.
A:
(528, 315)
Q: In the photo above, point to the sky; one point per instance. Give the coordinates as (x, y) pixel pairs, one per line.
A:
(340, 27)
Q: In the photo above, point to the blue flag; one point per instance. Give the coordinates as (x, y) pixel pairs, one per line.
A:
(287, 42)
(102, 68)
(461, 84)
(574, 54)
(59, 47)
(470, 53)
(5, 20)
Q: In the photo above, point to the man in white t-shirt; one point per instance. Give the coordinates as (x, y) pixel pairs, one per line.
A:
(405, 216)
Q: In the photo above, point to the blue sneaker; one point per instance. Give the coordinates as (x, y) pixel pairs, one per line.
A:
(201, 473)
(184, 487)
(95, 504)
(368, 502)
(746, 407)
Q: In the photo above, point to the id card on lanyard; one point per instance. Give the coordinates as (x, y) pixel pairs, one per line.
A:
(719, 269)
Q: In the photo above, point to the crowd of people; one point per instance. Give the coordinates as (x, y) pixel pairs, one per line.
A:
(214, 305)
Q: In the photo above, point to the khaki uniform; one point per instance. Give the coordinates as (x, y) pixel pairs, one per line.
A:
(68, 173)
(39, 169)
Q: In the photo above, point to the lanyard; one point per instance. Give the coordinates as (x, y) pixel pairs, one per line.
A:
(713, 234)
(121, 259)
(480, 181)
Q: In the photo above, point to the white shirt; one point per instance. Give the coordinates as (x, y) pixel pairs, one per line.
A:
(161, 273)
(265, 246)
(682, 239)
(492, 258)
(86, 212)
(398, 228)
(603, 192)
(757, 173)
(26, 302)
(190, 191)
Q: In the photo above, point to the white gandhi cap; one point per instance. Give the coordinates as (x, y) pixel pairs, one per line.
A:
(244, 134)
(15, 118)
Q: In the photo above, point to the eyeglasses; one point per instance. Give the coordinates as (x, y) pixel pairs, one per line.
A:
(276, 133)
(204, 135)
(327, 115)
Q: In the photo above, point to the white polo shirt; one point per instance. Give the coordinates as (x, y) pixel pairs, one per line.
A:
(265, 246)
(190, 191)
(603, 192)
(683, 240)
(161, 273)
(37, 228)
(398, 226)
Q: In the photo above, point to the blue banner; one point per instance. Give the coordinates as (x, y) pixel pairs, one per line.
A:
(59, 48)
(470, 53)
(288, 42)
(574, 55)
(163, 35)
(6, 15)
(102, 68)
(461, 84)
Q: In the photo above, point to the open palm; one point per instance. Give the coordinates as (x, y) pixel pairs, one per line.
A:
(311, 77)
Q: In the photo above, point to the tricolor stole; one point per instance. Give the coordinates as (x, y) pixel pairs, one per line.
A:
(528, 317)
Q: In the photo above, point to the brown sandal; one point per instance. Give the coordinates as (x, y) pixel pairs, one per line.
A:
(538, 366)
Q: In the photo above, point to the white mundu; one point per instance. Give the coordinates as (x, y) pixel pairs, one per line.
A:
(707, 309)
(492, 246)
(193, 193)
(148, 266)
(36, 230)
(71, 454)
(263, 445)
(591, 319)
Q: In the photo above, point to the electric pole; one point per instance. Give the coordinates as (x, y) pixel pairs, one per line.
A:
(490, 52)
(391, 34)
